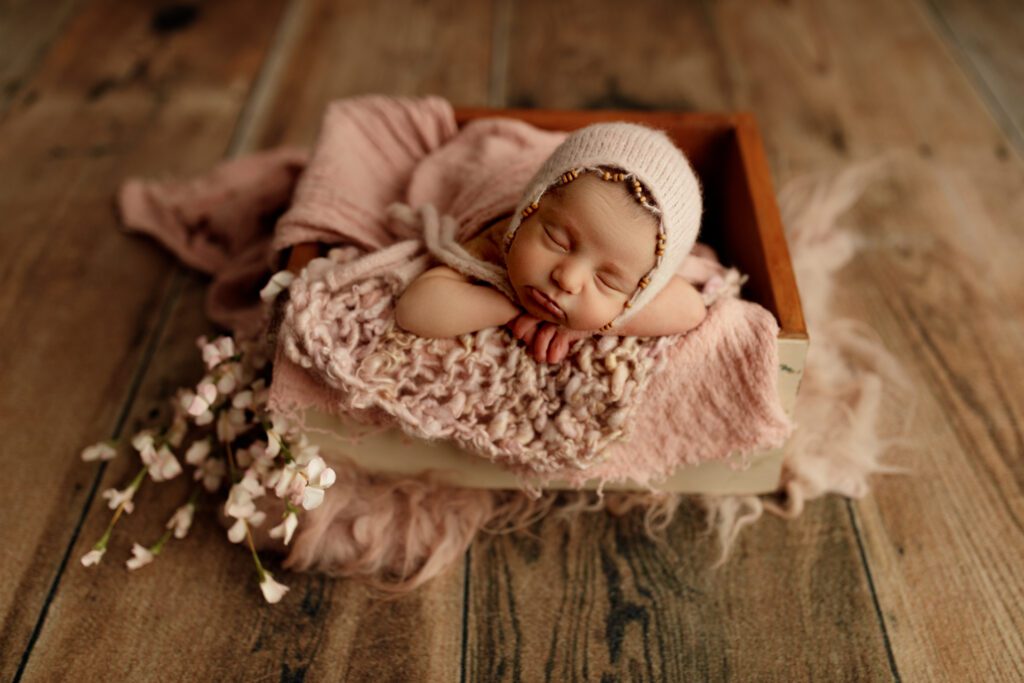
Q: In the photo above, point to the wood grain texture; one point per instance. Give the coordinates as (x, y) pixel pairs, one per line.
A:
(342, 49)
(26, 31)
(989, 40)
(596, 600)
(78, 299)
(649, 55)
(939, 279)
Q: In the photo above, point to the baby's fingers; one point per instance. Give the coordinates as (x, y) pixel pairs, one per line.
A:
(524, 327)
(559, 348)
(542, 342)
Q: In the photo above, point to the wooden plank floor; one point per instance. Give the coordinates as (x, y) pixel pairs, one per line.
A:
(921, 580)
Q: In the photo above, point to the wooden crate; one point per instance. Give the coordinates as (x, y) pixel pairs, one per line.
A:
(741, 222)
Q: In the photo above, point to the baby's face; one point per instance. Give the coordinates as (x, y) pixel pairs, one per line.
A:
(578, 258)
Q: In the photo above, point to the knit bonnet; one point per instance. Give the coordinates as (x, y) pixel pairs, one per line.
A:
(653, 169)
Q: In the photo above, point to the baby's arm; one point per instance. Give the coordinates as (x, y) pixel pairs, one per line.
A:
(442, 303)
(676, 309)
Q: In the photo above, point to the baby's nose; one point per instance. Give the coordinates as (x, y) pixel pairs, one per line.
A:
(569, 277)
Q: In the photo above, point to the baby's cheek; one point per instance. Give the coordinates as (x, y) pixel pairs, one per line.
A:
(595, 313)
(514, 264)
(524, 263)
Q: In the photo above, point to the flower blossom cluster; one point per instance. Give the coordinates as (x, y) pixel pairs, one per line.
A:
(222, 430)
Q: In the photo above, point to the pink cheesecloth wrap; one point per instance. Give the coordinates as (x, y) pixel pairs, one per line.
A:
(392, 179)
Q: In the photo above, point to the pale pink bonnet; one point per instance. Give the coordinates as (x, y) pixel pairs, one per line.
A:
(638, 153)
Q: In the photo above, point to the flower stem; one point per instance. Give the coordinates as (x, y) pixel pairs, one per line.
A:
(231, 461)
(248, 531)
(159, 545)
(252, 547)
(137, 481)
(134, 486)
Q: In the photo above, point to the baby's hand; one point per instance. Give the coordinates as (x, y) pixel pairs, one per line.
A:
(548, 342)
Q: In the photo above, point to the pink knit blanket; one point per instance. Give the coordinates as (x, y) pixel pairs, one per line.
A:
(619, 408)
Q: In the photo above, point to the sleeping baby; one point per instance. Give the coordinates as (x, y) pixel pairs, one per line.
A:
(592, 248)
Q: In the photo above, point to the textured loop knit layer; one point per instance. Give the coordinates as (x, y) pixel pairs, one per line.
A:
(482, 390)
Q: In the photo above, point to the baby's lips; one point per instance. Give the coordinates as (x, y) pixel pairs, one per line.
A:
(547, 303)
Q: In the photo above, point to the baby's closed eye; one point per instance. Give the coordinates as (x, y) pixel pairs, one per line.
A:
(610, 282)
(556, 237)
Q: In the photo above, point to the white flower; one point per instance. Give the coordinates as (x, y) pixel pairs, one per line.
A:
(93, 557)
(185, 398)
(115, 498)
(140, 557)
(206, 395)
(143, 440)
(229, 380)
(303, 486)
(286, 482)
(272, 590)
(202, 342)
(279, 281)
(99, 451)
(217, 351)
(211, 471)
(262, 463)
(258, 451)
(286, 528)
(275, 435)
(239, 504)
(164, 465)
(197, 452)
(236, 534)
(181, 521)
(251, 483)
(312, 498)
(304, 451)
(177, 431)
(143, 443)
(226, 346)
(243, 399)
(230, 424)
(237, 531)
(319, 477)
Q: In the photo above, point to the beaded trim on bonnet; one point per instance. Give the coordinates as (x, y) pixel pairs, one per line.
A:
(661, 180)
